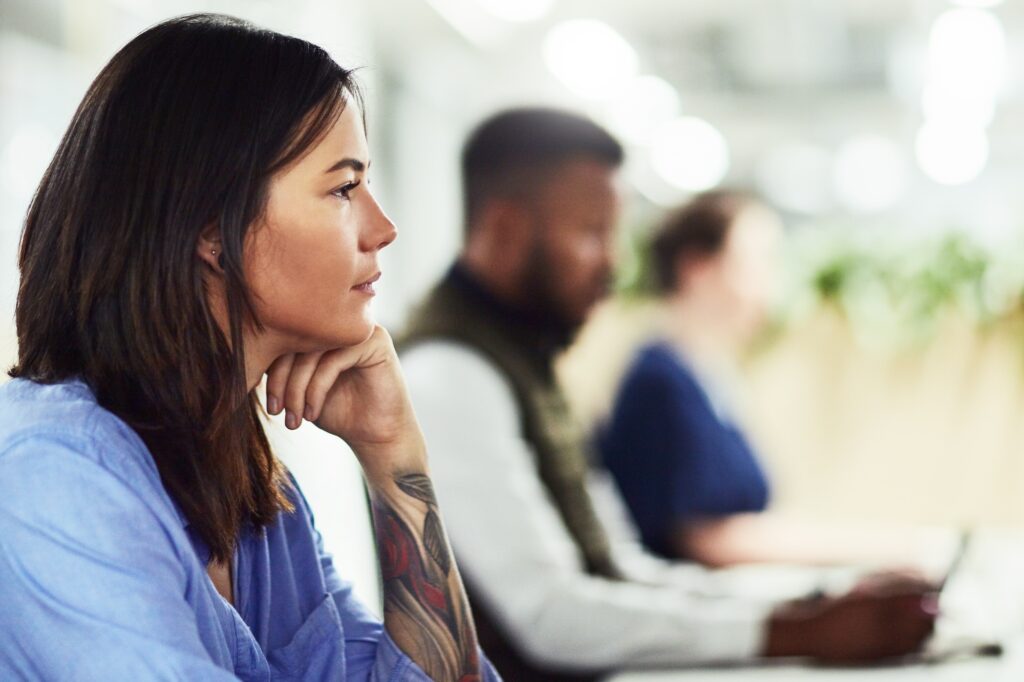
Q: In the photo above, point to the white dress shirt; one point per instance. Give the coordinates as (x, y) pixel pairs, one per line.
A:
(514, 548)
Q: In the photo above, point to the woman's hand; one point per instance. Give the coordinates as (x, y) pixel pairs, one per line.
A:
(356, 393)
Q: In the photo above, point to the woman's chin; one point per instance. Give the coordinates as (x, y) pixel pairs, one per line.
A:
(352, 334)
(367, 332)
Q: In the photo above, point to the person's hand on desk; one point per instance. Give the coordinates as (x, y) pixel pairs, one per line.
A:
(877, 620)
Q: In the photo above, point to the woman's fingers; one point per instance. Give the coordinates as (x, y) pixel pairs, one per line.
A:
(331, 366)
(301, 372)
(277, 379)
(299, 383)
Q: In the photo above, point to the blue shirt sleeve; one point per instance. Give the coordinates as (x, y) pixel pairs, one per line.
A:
(90, 580)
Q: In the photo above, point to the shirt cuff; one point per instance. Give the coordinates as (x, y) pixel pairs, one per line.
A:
(739, 635)
(394, 665)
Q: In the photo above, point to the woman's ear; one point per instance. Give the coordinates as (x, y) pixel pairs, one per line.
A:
(208, 247)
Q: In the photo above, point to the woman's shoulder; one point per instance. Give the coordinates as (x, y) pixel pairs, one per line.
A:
(658, 363)
(42, 420)
(69, 468)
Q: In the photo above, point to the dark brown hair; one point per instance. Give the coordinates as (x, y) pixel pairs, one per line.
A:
(697, 229)
(183, 129)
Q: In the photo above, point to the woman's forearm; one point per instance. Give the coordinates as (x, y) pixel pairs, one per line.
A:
(425, 607)
(358, 394)
(770, 537)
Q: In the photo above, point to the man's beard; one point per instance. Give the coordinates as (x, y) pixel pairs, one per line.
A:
(541, 296)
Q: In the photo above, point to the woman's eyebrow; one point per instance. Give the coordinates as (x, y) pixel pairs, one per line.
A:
(354, 164)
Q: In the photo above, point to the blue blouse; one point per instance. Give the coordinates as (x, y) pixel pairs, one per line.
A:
(101, 578)
(673, 457)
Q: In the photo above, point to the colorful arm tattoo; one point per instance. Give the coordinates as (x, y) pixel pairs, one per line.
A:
(425, 607)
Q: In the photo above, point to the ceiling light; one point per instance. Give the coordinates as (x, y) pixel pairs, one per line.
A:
(690, 153)
(589, 57)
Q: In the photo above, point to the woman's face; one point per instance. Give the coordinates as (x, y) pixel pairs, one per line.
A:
(746, 273)
(312, 261)
(738, 284)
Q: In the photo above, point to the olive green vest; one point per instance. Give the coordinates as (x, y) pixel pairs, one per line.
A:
(458, 310)
(524, 356)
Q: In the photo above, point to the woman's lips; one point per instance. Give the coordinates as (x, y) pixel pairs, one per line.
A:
(367, 286)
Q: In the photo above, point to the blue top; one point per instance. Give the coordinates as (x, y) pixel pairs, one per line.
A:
(100, 576)
(672, 455)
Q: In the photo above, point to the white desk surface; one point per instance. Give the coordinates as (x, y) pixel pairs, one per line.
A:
(1008, 668)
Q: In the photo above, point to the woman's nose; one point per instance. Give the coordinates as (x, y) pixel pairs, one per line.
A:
(380, 230)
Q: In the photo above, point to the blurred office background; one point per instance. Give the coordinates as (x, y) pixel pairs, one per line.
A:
(888, 133)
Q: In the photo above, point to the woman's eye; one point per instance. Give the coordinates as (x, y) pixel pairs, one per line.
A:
(345, 190)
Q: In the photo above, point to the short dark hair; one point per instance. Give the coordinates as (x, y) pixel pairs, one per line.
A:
(184, 127)
(520, 142)
(698, 228)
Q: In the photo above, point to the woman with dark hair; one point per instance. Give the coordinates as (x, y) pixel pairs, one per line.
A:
(205, 221)
(674, 444)
(670, 443)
